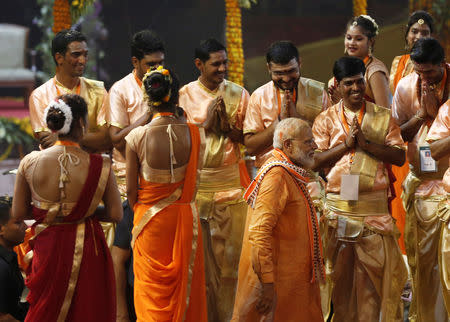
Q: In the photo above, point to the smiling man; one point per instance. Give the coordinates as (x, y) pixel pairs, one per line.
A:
(355, 140)
(220, 106)
(286, 95)
(281, 262)
(70, 53)
(417, 101)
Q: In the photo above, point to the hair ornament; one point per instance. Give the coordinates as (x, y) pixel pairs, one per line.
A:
(420, 21)
(61, 107)
(373, 22)
(167, 77)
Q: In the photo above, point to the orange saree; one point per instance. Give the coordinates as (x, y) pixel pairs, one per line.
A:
(168, 250)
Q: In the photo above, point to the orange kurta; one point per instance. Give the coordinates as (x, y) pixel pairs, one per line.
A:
(276, 249)
(168, 253)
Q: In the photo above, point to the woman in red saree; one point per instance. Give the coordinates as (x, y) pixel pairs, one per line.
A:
(163, 159)
(71, 276)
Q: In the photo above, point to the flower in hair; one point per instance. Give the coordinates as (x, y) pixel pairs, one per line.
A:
(372, 21)
(165, 72)
(61, 107)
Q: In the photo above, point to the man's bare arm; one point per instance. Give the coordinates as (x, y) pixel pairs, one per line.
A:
(440, 148)
(97, 141)
(118, 135)
(46, 139)
(258, 142)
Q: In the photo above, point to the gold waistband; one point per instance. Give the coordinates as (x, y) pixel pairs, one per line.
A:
(219, 179)
(368, 204)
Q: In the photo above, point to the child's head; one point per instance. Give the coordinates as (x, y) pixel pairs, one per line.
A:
(12, 231)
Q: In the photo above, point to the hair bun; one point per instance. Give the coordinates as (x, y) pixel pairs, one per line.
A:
(58, 116)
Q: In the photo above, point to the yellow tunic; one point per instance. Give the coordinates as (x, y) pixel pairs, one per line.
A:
(125, 106)
(262, 109)
(364, 260)
(91, 90)
(219, 197)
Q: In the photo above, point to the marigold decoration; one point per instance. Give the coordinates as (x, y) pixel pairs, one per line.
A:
(359, 7)
(234, 42)
(61, 16)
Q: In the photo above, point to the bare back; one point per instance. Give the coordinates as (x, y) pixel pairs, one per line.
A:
(42, 171)
(154, 150)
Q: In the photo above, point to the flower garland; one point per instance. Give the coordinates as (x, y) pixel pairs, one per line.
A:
(359, 7)
(67, 11)
(61, 16)
(234, 42)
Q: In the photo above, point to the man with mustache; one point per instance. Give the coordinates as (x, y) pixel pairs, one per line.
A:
(281, 262)
(286, 95)
(355, 140)
(70, 53)
(219, 105)
(417, 100)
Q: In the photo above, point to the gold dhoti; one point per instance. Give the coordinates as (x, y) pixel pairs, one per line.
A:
(427, 243)
(222, 213)
(366, 266)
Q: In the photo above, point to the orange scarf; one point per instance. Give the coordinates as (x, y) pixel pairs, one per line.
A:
(400, 68)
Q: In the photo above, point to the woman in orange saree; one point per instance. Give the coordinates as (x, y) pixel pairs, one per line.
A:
(163, 159)
(71, 276)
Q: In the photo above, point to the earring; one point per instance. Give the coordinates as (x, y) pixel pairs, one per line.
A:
(370, 50)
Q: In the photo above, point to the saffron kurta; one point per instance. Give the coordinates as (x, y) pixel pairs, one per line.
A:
(167, 242)
(71, 276)
(367, 268)
(263, 107)
(125, 106)
(219, 197)
(423, 191)
(276, 249)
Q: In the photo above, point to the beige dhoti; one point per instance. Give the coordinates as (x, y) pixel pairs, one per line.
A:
(222, 213)
(428, 249)
(366, 266)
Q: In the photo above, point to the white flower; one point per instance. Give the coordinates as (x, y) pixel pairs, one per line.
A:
(372, 21)
(67, 112)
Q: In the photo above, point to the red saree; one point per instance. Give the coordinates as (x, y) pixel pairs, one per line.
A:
(168, 249)
(71, 276)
